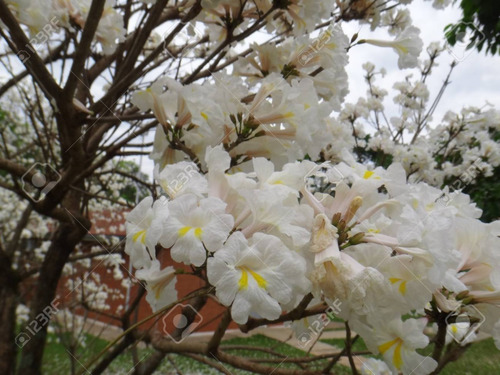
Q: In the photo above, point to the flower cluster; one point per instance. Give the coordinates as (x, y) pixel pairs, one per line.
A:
(261, 115)
(45, 18)
(456, 151)
(385, 248)
(265, 225)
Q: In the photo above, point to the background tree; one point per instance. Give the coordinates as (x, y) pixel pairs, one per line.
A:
(481, 21)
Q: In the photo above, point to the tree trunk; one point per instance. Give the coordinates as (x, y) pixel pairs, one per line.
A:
(9, 282)
(8, 341)
(66, 238)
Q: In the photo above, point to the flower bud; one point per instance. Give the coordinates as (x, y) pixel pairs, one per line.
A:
(336, 219)
(462, 294)
(353, 208)
(341, 225)
(357, 238)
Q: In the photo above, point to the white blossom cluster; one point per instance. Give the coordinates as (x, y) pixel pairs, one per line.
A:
(242, 210)
(383, 247)
(456, 151)
(44, 18)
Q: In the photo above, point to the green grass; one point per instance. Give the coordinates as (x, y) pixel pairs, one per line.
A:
(57, 359)
(481, 358)
(358, 346)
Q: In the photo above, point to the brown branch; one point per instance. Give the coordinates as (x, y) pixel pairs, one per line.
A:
(249, 347)
(244, 364)
(19, 77)
(95, 120)
(83, 48)
(122, 85)
(23, 221)
(141, 38)
(113, 150)
(230, 39)
(15, 169)
(335, 359)
(298, 313)
(213, 344)
(216, 365)
(305, 359)
(440, 337)
(452, 354)
(112, 355)
(348, 348)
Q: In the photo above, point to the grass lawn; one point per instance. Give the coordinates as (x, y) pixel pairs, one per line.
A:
(56, 358)
(482, 358)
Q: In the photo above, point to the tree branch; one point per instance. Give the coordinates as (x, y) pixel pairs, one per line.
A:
(83, 48)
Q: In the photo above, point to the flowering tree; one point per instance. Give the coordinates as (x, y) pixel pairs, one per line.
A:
(288, 203)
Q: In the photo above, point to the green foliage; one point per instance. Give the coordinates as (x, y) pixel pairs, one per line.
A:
(486, 193)
(481, 20)
(132, 191)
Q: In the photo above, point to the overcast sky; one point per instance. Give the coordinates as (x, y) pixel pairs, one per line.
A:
(475, 80)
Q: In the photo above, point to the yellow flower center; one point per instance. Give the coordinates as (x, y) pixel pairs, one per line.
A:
(397, 359)
(184, 230)
(402, 286)
(243, 282)
(142, 235)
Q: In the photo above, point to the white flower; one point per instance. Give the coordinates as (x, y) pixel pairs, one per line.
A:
(284, 218)
(195, 225)
(374, 366)
(256, 275)
(160, 285)
(496, 334)
(341, 276)
(145, 225)
(408, 280)
(461, 331)
(151, 99)
(181, 178)
(407, 45)
(397, 341)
